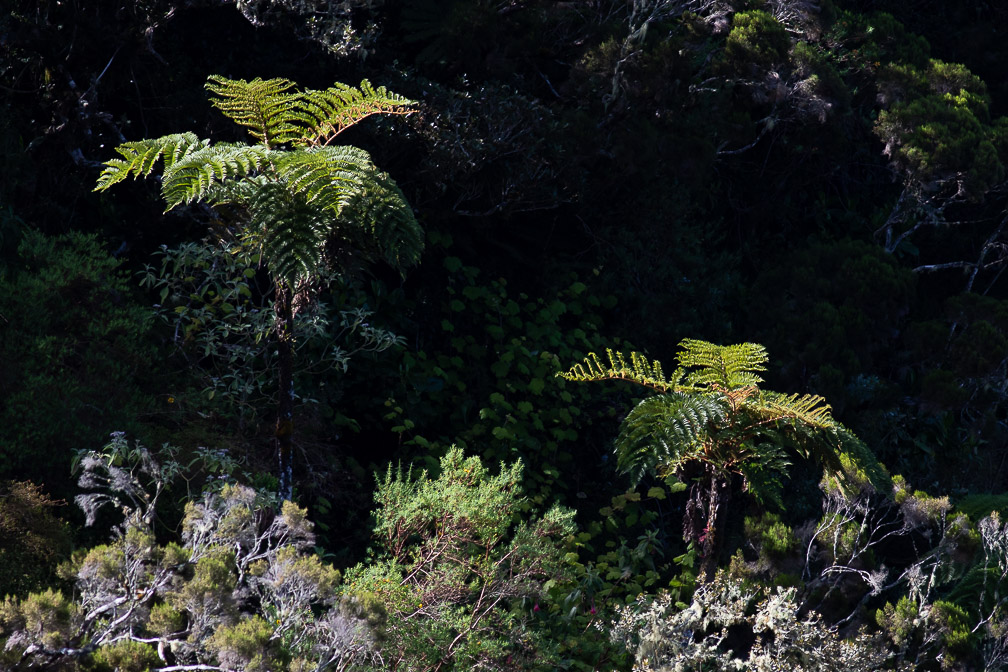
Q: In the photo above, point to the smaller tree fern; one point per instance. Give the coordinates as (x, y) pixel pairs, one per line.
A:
(710, 421)
(305, 203)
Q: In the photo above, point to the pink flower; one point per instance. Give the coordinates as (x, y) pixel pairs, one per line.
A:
(536, 607)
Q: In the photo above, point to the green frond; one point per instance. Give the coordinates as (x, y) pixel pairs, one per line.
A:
(239, 193)
(381, 211)
(639, 369)
(764, 473)
(806, 423)
(275, 113)
(859, 466)
(290, 234)
(194, 176)
(294, 245)
(269, 108)
(139, 158)
(666, 430)
(808, 410)
(327, 178)
(725, 366)
(335, 109)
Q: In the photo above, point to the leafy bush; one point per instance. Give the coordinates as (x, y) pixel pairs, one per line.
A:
(756, 38)
(459, 574)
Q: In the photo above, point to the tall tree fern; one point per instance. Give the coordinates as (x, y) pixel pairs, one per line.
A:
(710, 422)
(306, 203)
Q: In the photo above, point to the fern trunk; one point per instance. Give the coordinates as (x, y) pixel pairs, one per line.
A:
(709, 498)
(285, 377)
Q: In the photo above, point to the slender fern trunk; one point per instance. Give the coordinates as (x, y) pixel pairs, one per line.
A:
(709, 497)
(283, 305)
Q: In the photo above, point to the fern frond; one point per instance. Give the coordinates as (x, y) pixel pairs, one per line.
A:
(325, 177)
(725, 366)
(858, 464)
(269, 108)
(666, 430)
(332, 111)
(195, 176)
(140, 157)
(381, 211)
(276, 114)
(639, 369)
(806, 410)
(290, 234)
(763, 474)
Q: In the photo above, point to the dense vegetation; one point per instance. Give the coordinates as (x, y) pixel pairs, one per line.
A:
(383, 387)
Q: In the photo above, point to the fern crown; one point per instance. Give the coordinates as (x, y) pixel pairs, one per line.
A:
(712, 410)
(297, 190)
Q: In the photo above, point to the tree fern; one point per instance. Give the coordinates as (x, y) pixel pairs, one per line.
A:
(711, 418)
(299, 199)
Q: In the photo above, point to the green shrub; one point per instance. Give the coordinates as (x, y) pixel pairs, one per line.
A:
(126, 656)
(756, 38)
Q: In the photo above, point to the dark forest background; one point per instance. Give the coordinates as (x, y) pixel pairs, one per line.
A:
(825, 178)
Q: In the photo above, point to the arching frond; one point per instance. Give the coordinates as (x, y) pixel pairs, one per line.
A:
(639, 369)
(327, 178)
(381, 211)
(806, 423)
(269, 108)
(725, 366)
(809, 410)
(860, 466)
(275, 113)
(335, 109)
(667, 430)
(764, 474)
(194, 176)
(139, 158)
